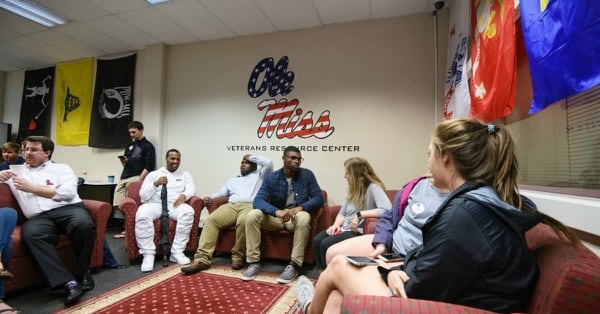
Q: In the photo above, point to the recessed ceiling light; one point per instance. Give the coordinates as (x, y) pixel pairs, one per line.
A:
(156, 1)
(33, 11)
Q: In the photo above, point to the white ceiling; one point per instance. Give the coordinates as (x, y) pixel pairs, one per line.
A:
(102, 27)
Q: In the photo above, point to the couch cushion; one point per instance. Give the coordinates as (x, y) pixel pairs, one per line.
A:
(569, 277)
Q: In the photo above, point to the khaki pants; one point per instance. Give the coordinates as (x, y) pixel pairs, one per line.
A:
(257, 220)
(225, 216)
(121, 189)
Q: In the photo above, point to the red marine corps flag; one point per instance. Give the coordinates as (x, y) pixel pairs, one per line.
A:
(493, 59)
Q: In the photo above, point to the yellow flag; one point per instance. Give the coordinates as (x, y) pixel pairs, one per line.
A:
(73, 102)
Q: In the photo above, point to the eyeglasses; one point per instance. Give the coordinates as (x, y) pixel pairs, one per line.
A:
(32, 149)
(300, 159)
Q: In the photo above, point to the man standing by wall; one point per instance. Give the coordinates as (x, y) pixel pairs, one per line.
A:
(285, 201)
(47, 194)
(241, 190)
(138, 160)
(180, 188)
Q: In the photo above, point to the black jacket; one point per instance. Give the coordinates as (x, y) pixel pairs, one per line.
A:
(474, 254)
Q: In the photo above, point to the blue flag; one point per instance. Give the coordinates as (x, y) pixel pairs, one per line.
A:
(562, 38)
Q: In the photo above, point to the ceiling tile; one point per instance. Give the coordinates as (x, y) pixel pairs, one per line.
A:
(116, 27)
(27, 49)
(17, 24)
(290, 14)
(93, 37)
(342, 11)
(196, 19)
(55, 38)
(120, 6)
(389, 8)
(75, 10)
(162, 28)
(244, 17)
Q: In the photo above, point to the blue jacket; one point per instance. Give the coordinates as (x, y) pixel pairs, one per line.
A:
(273, 192)
(5, 166)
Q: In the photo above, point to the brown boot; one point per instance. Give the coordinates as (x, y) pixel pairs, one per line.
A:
(194, 267)
(237, 264)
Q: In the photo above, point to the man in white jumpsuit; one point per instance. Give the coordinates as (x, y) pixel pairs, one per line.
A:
(180, 188)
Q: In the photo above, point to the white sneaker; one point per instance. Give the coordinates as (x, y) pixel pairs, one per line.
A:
(179, 258)
(305, 292)
(147, 263)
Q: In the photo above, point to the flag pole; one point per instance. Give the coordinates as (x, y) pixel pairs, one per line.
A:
(438, 6)
(435, 67)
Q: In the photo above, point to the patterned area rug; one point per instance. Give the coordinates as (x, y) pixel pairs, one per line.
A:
(216, 290)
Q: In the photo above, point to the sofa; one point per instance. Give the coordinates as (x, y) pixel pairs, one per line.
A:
(569, 282)
(129, 206)
(25, 270)
(275, 245)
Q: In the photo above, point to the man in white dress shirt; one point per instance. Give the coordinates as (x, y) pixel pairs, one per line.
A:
(241, 190)
(47, 194)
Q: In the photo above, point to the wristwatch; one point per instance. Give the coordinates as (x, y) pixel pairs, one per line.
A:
(359, 215)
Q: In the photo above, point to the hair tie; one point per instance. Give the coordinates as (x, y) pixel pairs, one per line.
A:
(491, 129)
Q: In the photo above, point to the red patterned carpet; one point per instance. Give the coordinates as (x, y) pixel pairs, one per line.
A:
(217, 290)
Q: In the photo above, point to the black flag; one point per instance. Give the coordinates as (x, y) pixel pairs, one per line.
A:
(36, 110)
(112, 107)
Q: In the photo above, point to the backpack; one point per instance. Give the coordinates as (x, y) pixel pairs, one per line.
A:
(405, 193)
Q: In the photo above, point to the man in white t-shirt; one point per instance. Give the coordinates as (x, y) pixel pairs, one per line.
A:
(180, 188)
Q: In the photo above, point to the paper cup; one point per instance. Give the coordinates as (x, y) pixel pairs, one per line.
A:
(18, 169)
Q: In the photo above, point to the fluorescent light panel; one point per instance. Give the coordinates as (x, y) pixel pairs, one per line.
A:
(156, 1)
(32, 11)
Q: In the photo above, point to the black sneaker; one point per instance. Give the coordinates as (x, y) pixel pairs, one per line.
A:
(73, 291)
(87, 283)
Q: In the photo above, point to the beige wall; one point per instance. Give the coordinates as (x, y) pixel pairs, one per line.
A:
(375, 78)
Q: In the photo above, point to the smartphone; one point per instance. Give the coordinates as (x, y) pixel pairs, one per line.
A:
(360, 261)
(391, 257)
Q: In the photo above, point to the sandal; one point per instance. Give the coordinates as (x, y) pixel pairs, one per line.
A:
(119, 235)
(5, 308)
(5, 274)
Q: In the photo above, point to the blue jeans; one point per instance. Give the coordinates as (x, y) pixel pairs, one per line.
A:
(8, 220)
(109, 260)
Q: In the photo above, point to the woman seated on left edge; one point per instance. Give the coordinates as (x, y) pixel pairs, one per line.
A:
(8, 221)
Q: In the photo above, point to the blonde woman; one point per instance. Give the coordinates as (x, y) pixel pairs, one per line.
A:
(366, 197)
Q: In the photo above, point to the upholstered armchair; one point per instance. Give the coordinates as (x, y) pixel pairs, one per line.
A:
(129, 206)
(275, 245)
(22, 265)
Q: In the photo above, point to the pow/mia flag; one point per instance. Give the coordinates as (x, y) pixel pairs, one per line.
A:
(112, 109)
(36, 104)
